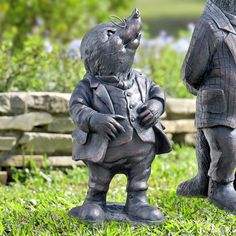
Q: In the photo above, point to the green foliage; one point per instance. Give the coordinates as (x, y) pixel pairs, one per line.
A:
(25, 26)
(164, 69)
(25, 65)
(61, 20)
(40, 205)
(34, 69)
(32, 170)
(166, 72)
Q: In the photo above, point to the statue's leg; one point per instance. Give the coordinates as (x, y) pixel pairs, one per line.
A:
(137, 206)
(235, 180)
(198, 185)
(99, 180)
(222, 142)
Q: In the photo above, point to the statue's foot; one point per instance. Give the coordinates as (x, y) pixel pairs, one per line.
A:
(139, 210)
(89, 212)
(222, 195)
(145, 213)
(195, 187)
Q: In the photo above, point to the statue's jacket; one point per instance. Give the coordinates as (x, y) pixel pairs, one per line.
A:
(209, 69)
(93, 94)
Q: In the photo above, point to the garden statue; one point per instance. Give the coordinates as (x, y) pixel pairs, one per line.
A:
(209, 72)
(116, 110)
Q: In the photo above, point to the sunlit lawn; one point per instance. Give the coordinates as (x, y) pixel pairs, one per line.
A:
(39, 205)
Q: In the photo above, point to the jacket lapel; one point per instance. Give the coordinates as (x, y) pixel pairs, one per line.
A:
(230, 41)
(219, 17)
(223, 23)
(102, 93)
(141, 82)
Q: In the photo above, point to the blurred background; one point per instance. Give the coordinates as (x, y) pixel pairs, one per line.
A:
(40, 39)
(169, 15)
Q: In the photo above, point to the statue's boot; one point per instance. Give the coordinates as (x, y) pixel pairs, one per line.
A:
(138, 209)
(92, 209)
(222, 195)
(198, 185)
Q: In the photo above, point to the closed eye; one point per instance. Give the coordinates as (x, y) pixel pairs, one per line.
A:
(110, 32)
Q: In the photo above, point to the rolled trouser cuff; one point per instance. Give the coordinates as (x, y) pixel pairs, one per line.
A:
(221, 179)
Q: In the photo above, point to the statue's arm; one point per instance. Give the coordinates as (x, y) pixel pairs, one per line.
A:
(199, 55)
(153, 108)
(156, 94)
(80, 105)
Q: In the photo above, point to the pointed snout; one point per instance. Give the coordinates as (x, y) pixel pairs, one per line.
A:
(135, 13)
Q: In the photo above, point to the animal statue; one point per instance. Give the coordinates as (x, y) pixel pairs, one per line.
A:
(117, 113)
(209, 72)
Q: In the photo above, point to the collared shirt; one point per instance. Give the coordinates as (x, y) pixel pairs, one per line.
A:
(117, 82)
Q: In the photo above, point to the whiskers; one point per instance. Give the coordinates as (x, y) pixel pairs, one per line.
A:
(120, 23)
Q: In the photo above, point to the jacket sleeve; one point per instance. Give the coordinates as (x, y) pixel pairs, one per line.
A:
(80, 105)
(155, 92)
(199, 55)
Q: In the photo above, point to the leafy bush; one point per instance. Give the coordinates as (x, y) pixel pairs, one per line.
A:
(34, 69)
(60, 20)
(164, 69)
(27, 27)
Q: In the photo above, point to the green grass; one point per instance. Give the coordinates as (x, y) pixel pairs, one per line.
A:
(39, 206)
(170, 15)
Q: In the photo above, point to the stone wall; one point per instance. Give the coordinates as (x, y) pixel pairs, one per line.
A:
(37, 126)
(179, 120)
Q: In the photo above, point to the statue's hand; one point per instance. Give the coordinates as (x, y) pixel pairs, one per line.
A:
(106, 125)
(150, 112)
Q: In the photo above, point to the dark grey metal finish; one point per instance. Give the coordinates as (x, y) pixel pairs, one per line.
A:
(209, 72)
(226, 5)
(198, 185)
(115, 212)
(116, 110)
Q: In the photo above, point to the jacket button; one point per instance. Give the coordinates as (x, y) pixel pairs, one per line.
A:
(129, 94)
(132, 119)
(131, 106)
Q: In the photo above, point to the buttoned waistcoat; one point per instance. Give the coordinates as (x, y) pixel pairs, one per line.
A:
(92, 95)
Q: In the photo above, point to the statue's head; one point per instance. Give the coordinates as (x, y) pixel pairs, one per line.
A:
(109, 48)
(226, 5)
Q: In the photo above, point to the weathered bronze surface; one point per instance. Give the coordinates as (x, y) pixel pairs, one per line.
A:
(116, 110)
(209, 72)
